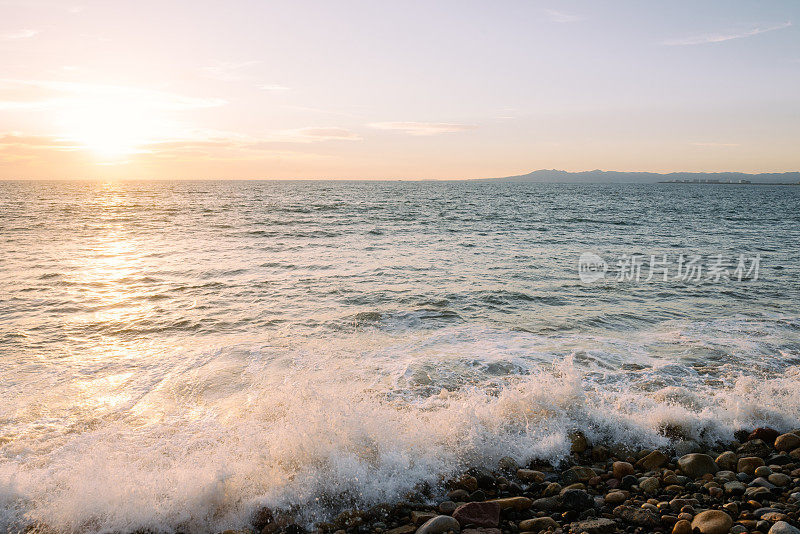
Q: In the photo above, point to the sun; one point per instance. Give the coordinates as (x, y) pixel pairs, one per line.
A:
(111, 128)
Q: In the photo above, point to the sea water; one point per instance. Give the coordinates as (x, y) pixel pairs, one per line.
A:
(174, 355)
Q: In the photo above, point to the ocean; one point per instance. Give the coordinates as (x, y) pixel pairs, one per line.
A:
(174, 355)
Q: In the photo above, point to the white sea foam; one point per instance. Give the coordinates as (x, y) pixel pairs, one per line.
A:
(197, 439)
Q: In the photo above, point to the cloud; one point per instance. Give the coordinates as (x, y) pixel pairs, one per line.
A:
(274, 88)
(422, 128)
(228, 71)
(18, 35)
(721, 37)
(327, 134)
(712, 144)
(18, 140)
(560, 16)
(29, 94)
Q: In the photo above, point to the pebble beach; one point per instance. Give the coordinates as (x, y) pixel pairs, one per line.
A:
(752, 485)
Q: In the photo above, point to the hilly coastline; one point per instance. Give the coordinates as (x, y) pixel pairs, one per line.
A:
(598, 176)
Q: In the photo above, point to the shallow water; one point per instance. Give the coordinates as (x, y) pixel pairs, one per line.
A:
(174, 354)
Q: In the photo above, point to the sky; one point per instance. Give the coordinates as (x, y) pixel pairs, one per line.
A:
(177, 89)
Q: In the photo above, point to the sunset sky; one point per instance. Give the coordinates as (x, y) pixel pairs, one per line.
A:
(391, 89)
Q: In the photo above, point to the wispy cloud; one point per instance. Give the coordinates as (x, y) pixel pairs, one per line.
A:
(422, 128)
(47, 93)
(36, 142)
(17, 35)
(274, 88)
(728, 36)
(228, 71)
(713, 144)
(561, 16)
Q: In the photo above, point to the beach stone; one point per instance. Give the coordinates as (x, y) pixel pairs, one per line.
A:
(749, 464)
(477, 495)
(575, 499)
(554, 488)
(516, 503)
(637, 516)
(686, 446)
(466, 482)
(727, 461)
(447, 507)
(439, 525)
(653, 460)
(738, 529)
(578, 473)
(763, 482)
(547, 504)
(755, 447)
(762, 471)
(779, 479)
(507, 464)
(578, 443)
(695, 465)
(617, 497)
(622, 469)
(599, 453)
(682, 527)
(538, 524)
(593, 526)
(734, 487)
(787, 442)
(403, 529)
(482, 530)
(529, 475)
(419, 517)
(480, 514)
(782, 527)
(765, 434)
(458, 495)
(650, 485)
(774, 517)
(678, 504)
(712, 522)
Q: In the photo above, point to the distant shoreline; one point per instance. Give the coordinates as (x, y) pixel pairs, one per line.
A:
(684, 182)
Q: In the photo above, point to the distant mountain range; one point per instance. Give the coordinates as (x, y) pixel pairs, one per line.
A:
(552, 175)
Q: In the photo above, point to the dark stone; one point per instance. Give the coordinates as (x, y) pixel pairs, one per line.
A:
(458, 495)
(478, 495)
(755, 447)
(576, 499)
(741, 435)
(594, 526)
(261, 518)
(779, 459)
(637, 516)
(570, 515)
(547, 504)
(480, 514)
(767, 435)
(628, 481)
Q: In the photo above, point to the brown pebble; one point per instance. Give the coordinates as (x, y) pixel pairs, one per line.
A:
(682, 527)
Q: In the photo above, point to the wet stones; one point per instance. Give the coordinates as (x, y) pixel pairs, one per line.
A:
(578, 474)
(712, 522)
(787, 442)
(622, 469)
(480, 514)
(653, 460)
(439, 525)
(749, 464)
(695, 465)
(727, 461)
